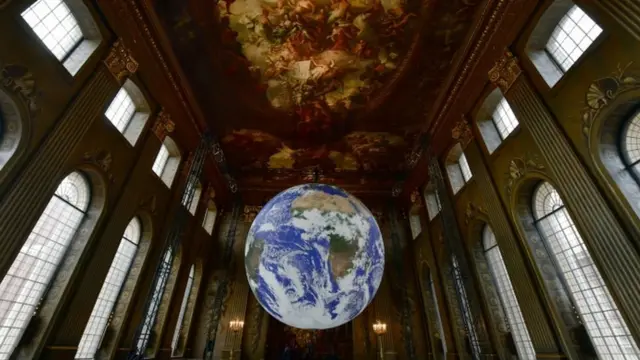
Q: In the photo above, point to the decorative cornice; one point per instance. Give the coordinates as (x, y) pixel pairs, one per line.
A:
(519, 167)
(20, 81)
(462, 133)
(250, 213)
(505, 71)
(601, 92)
(120, 62)
(474, 211)
(101, 159)
(163, 125)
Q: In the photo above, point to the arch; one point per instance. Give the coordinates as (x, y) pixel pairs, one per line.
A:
(495, 120)
(552, 48)
(42, 270)
(167, 161)
(458, 169)
(74, 37)
(110, 291)
(129, 111)
(14, 129)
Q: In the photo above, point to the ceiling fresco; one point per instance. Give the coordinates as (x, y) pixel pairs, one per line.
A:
(343, 86)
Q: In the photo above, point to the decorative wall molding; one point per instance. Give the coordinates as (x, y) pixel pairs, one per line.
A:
(602, 92)
(101, 159)
(250, 213)
(519, 167)
(149, 204)
(18, 80)
(462, 133)
(120, 61)
(505, 72)
(163, 125)
(474, 211)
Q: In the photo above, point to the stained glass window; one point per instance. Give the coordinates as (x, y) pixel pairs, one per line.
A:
(55, 25)
(600, 315)
(573, 35)
(498, 270)
(31, 272)
(98, 321)
(183, 310)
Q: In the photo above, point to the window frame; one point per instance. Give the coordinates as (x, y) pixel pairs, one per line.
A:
(188, 292)
(632, 167)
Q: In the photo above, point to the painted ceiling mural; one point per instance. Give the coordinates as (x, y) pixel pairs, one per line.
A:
(317, 59)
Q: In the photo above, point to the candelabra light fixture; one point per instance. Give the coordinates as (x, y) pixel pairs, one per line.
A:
(235, 326)
(380, 329)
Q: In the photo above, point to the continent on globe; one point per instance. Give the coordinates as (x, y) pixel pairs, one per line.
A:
(314, 257)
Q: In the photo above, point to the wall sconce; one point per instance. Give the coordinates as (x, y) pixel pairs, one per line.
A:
(235, 326)
(380, 329)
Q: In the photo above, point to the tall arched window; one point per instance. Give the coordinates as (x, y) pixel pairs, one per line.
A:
(519, 331)
(495, 120)
(209, 218)
(128, 111)
(466, 309)
(33, 269)
(98, 321)
(167, 161)
(66, 28)
(183, 310)
(156, 297)
(599, 314)
(630, 147)
(562, 35)
(458, 168)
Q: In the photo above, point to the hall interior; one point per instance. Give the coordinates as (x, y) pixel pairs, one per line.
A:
(495, 142)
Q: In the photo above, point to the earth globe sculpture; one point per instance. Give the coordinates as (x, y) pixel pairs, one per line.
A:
(314, 256)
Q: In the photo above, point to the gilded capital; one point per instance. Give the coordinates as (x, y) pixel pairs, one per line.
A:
(120, 61)
(163, 125)
(505, 72)
(462, 132)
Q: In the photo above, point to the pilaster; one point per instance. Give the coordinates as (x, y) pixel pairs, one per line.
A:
(624, 12)
(611, 249)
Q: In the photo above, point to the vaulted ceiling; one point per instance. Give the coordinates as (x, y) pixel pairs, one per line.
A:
(333, 90)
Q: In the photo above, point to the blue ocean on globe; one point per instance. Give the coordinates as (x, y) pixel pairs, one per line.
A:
(314, 256)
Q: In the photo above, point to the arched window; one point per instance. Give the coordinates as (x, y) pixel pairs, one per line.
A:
(183, 310)
(432, 200)
(149, 319)
(11, 128)
(167, 161)
(495, 120)
(458, 169)
(118, 271)
(466, 309)
(27, 280)
(602, 319)
(128, 111)
(562, 35)
(195, 200)
(209, 218)
(630, 147)
(66, 28)
(510, 305)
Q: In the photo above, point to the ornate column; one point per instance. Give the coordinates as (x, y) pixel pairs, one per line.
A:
(613, 252)
(22, 204)
(524, 286)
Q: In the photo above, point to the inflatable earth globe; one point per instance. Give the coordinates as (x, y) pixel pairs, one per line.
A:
(314, 257)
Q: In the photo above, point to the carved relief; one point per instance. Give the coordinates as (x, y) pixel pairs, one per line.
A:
(149, 204)
(101, 159)
(519, 167)
(163, 125)
(462, 133)
(19, 80)
(505, 72)
(601, 92)
(120, 62)
(473, 211)
(250, 213)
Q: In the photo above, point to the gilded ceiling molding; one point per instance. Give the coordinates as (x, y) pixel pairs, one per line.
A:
(505, 72)
(519, 167)
(120, 62)
(250, 213)
(602, 92)
(163, 125)
(474, 211)
(18, 80)
(462, 133)
(101, 159)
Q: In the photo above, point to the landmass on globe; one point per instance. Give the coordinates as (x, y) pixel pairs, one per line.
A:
(314, 257)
